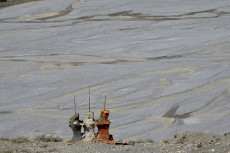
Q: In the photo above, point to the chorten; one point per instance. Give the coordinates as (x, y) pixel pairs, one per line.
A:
(103, 127)
(89, 126)
(75, 124)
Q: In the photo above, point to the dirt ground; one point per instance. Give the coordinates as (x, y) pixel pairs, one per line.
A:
(185, 142)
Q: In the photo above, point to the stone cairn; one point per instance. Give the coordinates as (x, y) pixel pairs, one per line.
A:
(89, 125)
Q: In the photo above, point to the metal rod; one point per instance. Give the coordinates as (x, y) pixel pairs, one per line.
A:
(75, 106)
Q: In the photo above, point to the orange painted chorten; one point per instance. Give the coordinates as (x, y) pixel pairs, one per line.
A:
(103, 128)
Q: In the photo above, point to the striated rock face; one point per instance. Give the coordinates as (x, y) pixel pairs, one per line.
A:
(89, 127)
(75, 125)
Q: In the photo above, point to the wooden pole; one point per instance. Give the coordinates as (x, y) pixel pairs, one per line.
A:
(104, 102)
(89, 98)
(75, 106)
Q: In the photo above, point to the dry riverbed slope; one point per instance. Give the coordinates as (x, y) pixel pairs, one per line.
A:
(163, 65)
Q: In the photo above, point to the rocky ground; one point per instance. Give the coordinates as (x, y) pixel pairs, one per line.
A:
(185, 142)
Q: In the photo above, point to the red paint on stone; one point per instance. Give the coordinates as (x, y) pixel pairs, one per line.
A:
(103, 128)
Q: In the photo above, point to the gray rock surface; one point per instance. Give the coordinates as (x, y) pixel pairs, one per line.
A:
(163, 65)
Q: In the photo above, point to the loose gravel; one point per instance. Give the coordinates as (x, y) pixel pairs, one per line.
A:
(185, 142)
